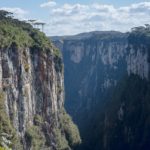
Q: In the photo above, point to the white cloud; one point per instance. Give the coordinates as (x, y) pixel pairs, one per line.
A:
(48, 4)
(18, 12)
(76, 18)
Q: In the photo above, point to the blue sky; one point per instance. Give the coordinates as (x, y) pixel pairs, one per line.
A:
(65, 17)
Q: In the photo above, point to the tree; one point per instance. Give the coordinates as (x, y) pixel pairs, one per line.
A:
(5, 14)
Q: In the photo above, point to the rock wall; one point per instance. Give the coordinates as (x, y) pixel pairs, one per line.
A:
(96, 61)
(94, 65)
(32, 114)
(137, 61)
(31, 85)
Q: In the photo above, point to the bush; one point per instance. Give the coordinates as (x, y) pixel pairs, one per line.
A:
(61, 142)
(13, 35)
(38, 120)
(20, 34)
(35, 138)
(70, 129)
(40, 40)
(57, 52)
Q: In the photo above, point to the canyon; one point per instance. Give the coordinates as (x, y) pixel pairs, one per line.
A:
(107, 87)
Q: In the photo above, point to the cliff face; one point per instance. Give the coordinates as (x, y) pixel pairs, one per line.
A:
(93, 63)
(101, 88)
(31, 86)
(32, 95)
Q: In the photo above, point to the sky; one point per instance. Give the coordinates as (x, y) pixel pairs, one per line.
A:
(68, 17)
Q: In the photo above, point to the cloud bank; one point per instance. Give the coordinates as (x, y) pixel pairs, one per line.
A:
(75, 18)
(68, 19)
(48, 4)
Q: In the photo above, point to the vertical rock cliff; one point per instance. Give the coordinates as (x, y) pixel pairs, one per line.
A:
(32, 91)
(107, 87)
(93, 62)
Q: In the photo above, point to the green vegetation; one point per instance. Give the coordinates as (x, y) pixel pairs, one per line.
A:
(2, 148)
(7, 131)
(35, 137)
(57, 52)
(70, 129)
(40, 40)
(38, 120)
(61, 142)
(67, 135)
(11, 34)
(21, 34)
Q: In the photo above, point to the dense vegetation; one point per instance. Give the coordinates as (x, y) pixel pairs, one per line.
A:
(8, 136)
(35, 137)
(21, 34)
(67, 135)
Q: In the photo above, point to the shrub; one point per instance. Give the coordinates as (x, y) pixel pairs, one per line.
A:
(38, 120)
(20, 34)
(57, 52)
(13, 35)
(61, 142)
(35, 138)
(40, 40)
(70, 129)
